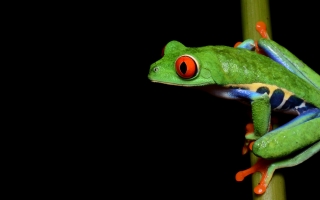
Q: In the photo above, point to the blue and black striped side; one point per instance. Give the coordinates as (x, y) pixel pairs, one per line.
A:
(280, 99)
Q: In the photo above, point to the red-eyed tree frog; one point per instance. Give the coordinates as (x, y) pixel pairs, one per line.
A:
(276, 81)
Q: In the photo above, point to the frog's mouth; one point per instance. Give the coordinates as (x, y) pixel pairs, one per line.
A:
(182, 85)
(174, 84)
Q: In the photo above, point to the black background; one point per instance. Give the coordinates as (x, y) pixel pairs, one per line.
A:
(178, 142)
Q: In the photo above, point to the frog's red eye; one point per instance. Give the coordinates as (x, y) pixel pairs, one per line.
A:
(186, 67)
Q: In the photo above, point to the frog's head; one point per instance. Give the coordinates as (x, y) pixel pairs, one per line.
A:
(182, 66)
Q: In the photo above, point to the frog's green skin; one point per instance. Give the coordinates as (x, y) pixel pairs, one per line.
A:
(279, 82)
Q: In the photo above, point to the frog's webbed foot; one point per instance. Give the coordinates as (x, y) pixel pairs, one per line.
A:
(261, 166)
(309, 121)
(267, 167)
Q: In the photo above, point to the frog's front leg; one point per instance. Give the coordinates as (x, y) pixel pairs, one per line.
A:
(261, 109)
(247, 44)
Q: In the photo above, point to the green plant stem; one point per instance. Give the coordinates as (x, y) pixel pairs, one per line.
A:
(253, 11)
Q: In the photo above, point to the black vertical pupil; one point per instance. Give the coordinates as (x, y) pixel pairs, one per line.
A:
(183, 67)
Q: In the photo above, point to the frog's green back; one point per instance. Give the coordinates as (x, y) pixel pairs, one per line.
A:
(242, 66)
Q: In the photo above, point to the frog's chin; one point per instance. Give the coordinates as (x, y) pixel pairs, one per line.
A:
(175, 84)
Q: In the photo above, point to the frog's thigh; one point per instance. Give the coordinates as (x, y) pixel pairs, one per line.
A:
(302, 118)
(282, 143)
(301, 157)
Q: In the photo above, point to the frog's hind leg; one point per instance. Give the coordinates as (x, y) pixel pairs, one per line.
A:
(289, 162)
(267, 167)
(284, 57)
(301, 139)
(301, 134)
(295, 135)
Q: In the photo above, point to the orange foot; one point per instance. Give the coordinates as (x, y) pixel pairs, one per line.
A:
(248, 143)
(261, 27)
(261, 166)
